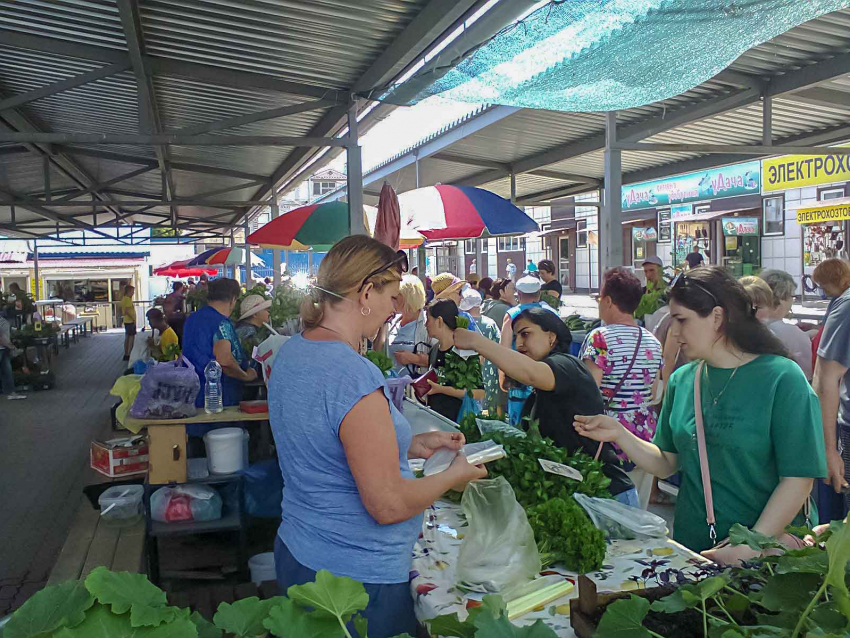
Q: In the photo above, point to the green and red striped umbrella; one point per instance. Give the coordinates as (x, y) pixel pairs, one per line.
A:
(318, 226)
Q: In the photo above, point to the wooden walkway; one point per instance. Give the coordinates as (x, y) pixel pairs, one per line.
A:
(44, 447)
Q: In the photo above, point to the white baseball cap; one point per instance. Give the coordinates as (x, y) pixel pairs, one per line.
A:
(252, 304)
(529, 285)
(469, 299)
(653, 260)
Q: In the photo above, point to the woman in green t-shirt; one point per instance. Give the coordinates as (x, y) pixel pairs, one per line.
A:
(764, 439)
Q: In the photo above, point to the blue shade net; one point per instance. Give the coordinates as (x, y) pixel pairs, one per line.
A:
(605, 55)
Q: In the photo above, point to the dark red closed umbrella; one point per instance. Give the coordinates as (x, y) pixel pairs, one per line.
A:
(388, 223)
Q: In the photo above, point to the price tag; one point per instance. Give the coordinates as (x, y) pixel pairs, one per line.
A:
(560, 469)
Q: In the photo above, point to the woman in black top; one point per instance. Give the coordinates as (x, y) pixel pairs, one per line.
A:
(441, 323)
(563, 387)
(551, 285)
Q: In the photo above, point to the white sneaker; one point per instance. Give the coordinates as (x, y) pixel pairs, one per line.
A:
(16, 397)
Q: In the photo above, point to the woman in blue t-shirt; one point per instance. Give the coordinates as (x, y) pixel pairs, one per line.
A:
(351, 504)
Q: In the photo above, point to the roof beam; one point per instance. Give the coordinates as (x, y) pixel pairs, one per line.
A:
(63, 85)
(548, 195)
(219, 76)
(819, 96)
(241, 120)
(165, 139)
(810, 75)
(172, 202)
(755, 149)
(178, 166)
(102, 185)
(430, 23)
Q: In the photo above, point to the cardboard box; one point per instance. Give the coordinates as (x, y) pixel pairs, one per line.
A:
(122, 456)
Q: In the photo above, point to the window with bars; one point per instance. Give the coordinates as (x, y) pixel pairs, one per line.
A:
(322, 188)
(511, 244)
(773, 215)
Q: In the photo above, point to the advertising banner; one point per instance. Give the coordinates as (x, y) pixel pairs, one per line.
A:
(796, 171)
(644, 234)
(714, 183)
(740, 226)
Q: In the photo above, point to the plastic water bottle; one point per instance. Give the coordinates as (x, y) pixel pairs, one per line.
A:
(213, 391)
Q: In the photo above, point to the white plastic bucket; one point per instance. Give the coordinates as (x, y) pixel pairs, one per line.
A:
(227, 450)
(262, 568)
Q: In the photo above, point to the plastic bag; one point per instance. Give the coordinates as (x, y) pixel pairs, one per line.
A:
(396, 387)
(168, 391)
(141, 350)
(476, 454)
(185, 503)
(126, 387)
(467, 406)
(488, 426)
(498, 550)
(263, 489)
(267, 351)
(619, 521)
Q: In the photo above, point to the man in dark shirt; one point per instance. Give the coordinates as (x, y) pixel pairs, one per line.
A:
(695, 258)
(551, 285)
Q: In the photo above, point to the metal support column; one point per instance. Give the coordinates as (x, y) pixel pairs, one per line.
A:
(35, 268)
(767, 120)
(513, 188)
(310, 263)
(232, 269)
(610, 221)
(355, 175)
(479, 266)
(247, 230)
(275, 252)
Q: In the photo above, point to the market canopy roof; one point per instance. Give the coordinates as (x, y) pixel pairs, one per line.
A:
(797, 83)
(161, 80)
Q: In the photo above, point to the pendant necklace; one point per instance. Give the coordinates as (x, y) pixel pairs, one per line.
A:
(716, 399)
(346, 341)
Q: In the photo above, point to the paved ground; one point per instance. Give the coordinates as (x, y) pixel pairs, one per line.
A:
(44, 444)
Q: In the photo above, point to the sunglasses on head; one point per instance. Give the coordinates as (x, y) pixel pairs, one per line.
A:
(682, 280)
(398, 261)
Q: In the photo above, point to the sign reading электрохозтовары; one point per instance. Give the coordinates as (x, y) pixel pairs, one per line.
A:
(797, 171)
(823, 213)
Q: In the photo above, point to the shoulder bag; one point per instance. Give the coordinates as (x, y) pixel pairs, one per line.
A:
(788, 540)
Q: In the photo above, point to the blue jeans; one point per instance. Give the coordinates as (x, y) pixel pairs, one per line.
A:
(7, 379)
(390, 610)
(629, 497)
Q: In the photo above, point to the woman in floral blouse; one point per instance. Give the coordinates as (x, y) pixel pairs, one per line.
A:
(625, 360)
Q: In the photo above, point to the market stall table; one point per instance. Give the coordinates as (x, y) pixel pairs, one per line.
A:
(629, 565)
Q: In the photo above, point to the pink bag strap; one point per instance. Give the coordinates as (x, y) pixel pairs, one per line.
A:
(703, 458)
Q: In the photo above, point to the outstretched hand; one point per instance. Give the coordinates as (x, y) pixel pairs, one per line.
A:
(599, 427)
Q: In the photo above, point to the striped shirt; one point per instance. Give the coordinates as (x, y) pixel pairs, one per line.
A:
(611, 348)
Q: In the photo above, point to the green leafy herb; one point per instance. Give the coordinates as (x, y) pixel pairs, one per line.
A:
(460, 373)
(205, 628)
(384, 363)
(171, 352)
(100, 622)
(339, 598)
(124, 591)
(288, 619)
(245, 617)
(623, 619)
(53, 607)
(565, 534)
(462, 322)
(489, 620)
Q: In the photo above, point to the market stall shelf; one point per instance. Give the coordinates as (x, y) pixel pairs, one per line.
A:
(629, 565)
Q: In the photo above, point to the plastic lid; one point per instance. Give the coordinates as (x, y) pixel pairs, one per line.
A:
(225, 433)
(113, 493)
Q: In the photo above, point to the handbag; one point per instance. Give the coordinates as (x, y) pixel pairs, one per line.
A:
(610, 399)
(788, 540)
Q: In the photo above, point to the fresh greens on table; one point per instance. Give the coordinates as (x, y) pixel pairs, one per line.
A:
(798, 593)
(566, 535)
(488, 620)
(384, 363)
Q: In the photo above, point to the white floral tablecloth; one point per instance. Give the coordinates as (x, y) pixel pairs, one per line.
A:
(628, 565)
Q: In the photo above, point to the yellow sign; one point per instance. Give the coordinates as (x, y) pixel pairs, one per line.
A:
(796, 171)
(823, 213)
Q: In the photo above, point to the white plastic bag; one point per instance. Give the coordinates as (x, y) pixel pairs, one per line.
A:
(476, 454)
(619, 521)
(487, 426)
(266, 352)
(141, 350)
(498, 551)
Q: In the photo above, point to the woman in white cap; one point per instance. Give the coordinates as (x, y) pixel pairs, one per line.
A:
(255, 312)
(495, 400)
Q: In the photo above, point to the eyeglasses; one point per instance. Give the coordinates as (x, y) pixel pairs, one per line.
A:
(395, 262)
(683, 279)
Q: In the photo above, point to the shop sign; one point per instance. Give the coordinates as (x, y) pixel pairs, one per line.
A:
(644, 234)
(715, 183)
(796, 171)
(823, 214)
(740, 226)
(681, 211)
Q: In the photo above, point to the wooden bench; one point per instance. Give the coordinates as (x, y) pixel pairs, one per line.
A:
(68, 331)
(91, 544)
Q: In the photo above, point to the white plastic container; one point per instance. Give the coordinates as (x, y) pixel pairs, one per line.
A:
(122, 504)
(262, 568)
(227, 450)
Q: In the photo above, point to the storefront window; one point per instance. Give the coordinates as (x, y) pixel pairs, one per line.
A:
(690, 234)
(774, 215)
(581, 233)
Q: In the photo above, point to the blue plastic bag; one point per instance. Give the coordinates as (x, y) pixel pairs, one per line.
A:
(467, 406)
(263, 489)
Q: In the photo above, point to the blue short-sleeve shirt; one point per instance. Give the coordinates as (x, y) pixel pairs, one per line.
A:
(325, 525)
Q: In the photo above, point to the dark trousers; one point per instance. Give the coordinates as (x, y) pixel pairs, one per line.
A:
(390, 610)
